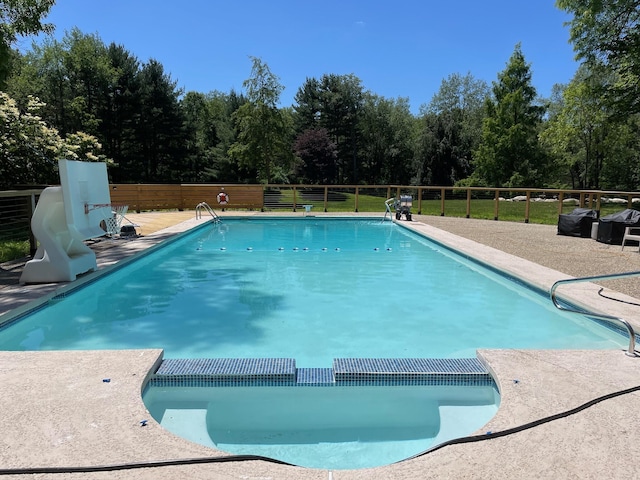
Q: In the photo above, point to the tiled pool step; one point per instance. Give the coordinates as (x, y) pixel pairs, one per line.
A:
(345, 372)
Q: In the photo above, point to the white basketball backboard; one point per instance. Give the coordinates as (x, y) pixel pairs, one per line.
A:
(87, 201)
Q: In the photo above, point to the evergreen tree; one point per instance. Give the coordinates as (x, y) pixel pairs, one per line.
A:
(509, 154)
(159, 130)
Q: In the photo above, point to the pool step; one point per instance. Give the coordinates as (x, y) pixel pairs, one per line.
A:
(345, 372)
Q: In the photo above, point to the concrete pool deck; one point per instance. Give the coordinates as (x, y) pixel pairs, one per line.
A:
(58, 412)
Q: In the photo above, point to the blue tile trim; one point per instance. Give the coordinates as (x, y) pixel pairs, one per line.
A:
(407, 365)
(410, 371)
(229, 366)
(261, 372)
(315, 377)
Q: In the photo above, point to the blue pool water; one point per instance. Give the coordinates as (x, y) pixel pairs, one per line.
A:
(312, 290)
(323, 427)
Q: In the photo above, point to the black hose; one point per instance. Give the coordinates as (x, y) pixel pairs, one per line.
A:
(135, 465)
(245, 458)
(527, 426)
(616, 299)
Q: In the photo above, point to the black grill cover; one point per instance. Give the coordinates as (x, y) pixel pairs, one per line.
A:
(611, 228)
(577, 223)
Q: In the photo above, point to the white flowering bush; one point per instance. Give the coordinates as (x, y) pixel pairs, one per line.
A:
(30, 149)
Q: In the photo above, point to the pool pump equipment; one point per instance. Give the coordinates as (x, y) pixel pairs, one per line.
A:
(403, 207)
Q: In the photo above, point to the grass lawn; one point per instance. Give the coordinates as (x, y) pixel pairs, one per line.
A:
(539, 212)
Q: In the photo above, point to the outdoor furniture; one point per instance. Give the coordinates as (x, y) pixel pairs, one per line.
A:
(577, 223)
(631, 234)
(611, 229)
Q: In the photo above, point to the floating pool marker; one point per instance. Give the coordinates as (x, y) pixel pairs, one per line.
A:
(222, 248)
(249, 248)
(280, 248)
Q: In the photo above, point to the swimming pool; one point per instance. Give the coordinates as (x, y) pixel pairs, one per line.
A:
(308, 289)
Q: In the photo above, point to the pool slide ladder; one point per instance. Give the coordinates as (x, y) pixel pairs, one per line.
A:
(631, 350)
(205, 206)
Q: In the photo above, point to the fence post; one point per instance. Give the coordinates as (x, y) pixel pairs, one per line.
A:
(33, 244)
(496, 207)
(442, 202)
(357, 191)
(560, 202)
(527, 207)
(468, 202)
(294, 198)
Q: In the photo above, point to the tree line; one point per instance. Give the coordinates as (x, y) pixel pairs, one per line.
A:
(80, 98)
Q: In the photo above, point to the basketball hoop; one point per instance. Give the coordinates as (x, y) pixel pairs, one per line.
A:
(113, 222)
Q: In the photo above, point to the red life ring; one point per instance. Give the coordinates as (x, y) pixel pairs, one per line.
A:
(223, 198)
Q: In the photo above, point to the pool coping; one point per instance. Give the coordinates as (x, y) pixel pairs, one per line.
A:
(84, 419)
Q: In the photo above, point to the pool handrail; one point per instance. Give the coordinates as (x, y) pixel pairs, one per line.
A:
(631, 350)
(205, 206)
(387, 204)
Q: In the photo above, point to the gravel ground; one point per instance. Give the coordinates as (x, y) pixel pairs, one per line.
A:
(578, 257)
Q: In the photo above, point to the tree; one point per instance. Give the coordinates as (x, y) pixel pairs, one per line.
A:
(386, 134)
(606, 34)
(317, 154)
(264, 137)
(451, 129)
(509, 154)
(19, 18)
(30, 149)
(159, 127)
(584, 137)
(120, 113)
(335, 103)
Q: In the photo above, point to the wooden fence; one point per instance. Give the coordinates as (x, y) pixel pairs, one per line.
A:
(271, 197)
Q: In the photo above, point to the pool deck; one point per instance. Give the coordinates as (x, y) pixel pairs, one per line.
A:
(58, 410)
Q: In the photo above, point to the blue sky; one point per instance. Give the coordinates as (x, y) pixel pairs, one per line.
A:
(398, 48)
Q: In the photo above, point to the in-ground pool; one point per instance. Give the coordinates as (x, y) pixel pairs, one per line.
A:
(308, 289)
(312, 290)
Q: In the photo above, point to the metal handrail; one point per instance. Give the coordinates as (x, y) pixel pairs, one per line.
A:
(631, 351)
(205, 206)
(386, 203)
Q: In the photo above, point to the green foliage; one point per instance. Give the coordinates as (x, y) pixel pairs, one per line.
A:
(19, 18)
(335, 103)
(263, 141)
(593, 149)
(12, 249)
(509, 153)
(606, 34)
(386, 134)
(450, 130)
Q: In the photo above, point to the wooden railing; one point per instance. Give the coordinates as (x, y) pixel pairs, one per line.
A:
(16, 207)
